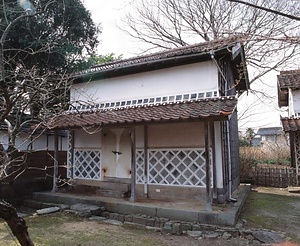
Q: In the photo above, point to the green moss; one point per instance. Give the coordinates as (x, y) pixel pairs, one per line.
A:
(274, 212)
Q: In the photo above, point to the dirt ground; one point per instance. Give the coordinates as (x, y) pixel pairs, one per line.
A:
(276, 209)
(278, 191)
(156, 238)
(269, 208)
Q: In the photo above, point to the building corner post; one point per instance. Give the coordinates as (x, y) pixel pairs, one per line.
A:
(133, 164)
(208, 205)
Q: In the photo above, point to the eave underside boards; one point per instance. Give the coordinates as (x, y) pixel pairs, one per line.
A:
(210, 109)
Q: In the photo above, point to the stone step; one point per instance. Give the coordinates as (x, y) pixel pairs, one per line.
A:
(294, 189)
(117, 186)
(31, 203)
(113, 193)
(117, 180)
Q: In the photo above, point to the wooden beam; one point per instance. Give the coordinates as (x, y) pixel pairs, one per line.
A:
(133, 164)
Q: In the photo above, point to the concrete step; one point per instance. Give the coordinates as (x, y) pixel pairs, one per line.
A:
(117, 180)
(113, 193)
(117, 186)
(294, 189)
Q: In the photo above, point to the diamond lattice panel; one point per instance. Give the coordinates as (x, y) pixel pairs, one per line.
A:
(70, 155)
(184, 167)
(87, 164)
(140, 167)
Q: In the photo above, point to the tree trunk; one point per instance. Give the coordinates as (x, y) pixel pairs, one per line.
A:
(16, 223)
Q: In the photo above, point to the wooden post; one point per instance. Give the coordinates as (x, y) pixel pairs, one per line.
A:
(292, 148)
(55, 165)
(133, 164)
(146, 161)
(214, 165)
(208, 206)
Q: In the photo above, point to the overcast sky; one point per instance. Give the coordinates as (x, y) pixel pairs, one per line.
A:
(113, 40)
(109, 15)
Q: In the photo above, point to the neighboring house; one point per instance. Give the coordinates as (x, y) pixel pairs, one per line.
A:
(164, 122)
(289, 96)
(268, 134)
(35, 142)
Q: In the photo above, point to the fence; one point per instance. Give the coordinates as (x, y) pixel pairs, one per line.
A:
(280, 177)
(35, 173)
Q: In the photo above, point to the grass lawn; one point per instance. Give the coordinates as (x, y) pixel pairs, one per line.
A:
(264, 208)
(65, 229)
(274, 209)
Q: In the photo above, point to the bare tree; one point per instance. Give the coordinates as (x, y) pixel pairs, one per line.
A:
(271, 40)
(267, 9)
(34, 84)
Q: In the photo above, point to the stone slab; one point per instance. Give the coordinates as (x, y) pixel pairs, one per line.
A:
(47, 210)
(113, 222)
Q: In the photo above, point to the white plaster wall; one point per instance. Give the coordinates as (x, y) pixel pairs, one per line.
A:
(218, 150)
(296, 101)
(139, 137)
(62, 143)
(181, 135)
(39, 142)
(170, 81)
(87, 140)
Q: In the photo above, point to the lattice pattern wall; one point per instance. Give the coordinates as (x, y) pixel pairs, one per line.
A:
(70, 155)
(140, 166)
(87, 164)
(178, 167)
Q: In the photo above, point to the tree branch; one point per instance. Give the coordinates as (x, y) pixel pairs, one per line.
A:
(267, 9)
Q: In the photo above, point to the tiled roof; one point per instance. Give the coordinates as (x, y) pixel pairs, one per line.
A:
(290, 124)
(197, 49)
(289, 79)
(201, 109)
(268, 131)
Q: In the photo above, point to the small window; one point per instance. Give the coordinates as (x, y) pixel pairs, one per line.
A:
(106, 105)
(209, 94)
(118, 104)
(171, 98)
(178, 97)
(140, 101)
(151, 100)
(186, 97)
(112, 104)
(128, 102)
(133, 102)
(146, 100)
(215, 93)
(102, 105)
(123, 103)
(193, 96)
(201, 95)
(158, 99)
